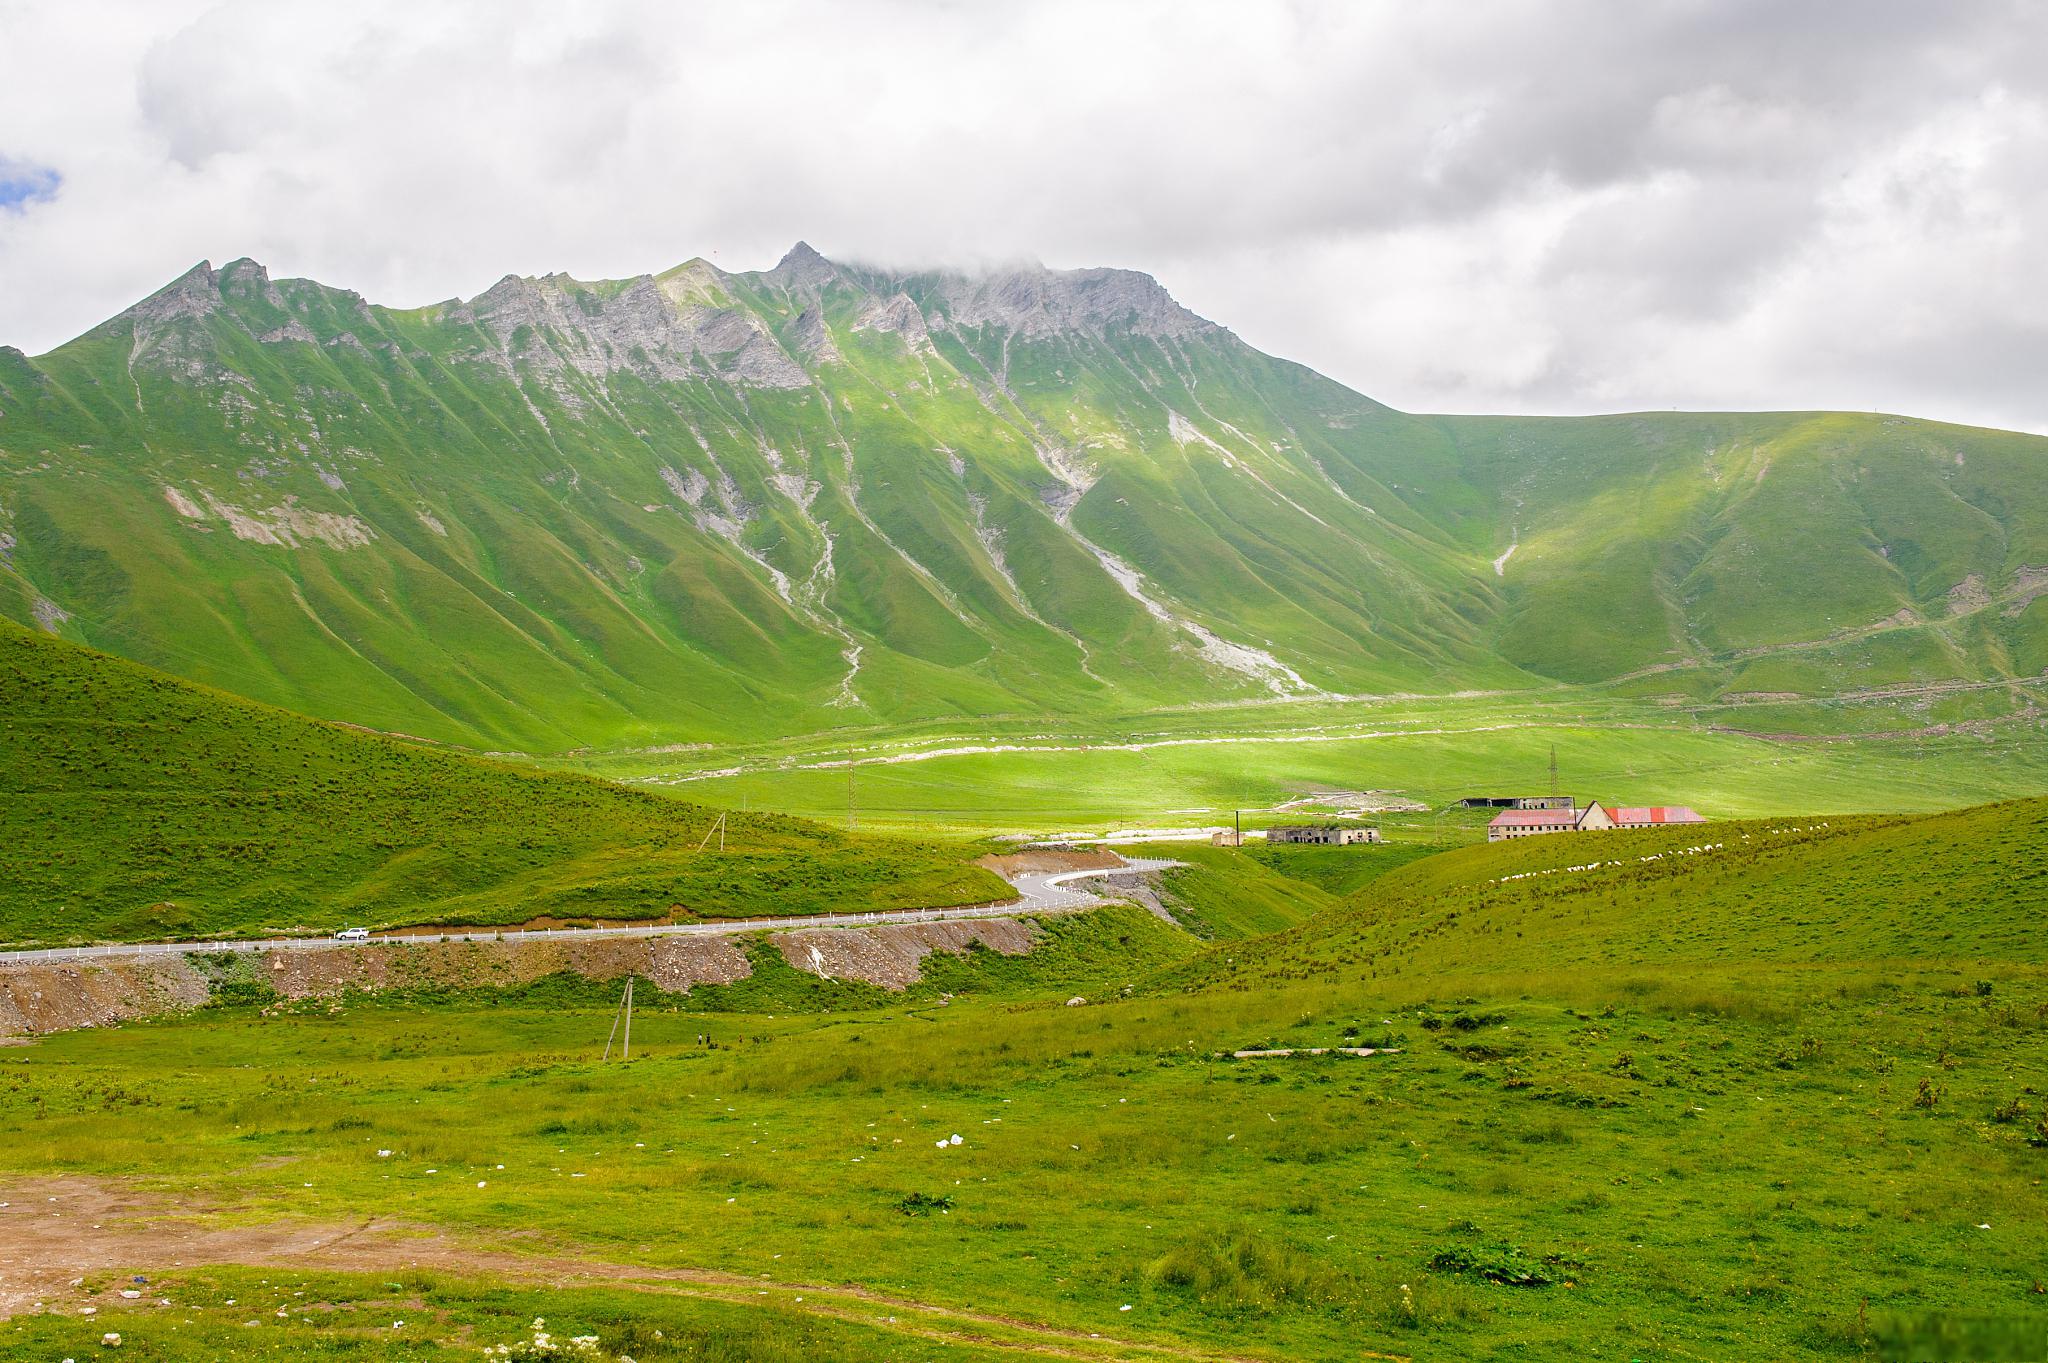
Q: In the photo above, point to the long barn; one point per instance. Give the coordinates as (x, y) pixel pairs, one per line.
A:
(1527, 823)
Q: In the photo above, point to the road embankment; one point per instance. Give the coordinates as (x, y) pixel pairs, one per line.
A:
(38, 997)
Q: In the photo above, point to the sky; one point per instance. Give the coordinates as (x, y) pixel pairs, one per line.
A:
(1498, 207)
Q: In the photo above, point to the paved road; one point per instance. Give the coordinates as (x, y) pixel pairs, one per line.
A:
(1037, 892)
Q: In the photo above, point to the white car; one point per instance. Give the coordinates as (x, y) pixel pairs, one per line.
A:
(352, 935)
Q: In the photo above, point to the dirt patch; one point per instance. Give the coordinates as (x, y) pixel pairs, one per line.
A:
(1139, 887)
(57, 1230)
(676, 964)
(56, 997)
(892, 955)
(2028, 582)
(1968, 595)
(1054, 859)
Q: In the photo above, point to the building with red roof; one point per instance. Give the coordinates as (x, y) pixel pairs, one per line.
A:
(1528, 823)
(1651, 816)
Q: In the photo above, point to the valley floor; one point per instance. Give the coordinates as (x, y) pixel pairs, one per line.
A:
(1396, 759)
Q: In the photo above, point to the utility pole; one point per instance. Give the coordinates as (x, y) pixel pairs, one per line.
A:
(852, 819)
(625, 1012)
(1237, 825)
(1553, 770)
(718, 827)
(627, 1053)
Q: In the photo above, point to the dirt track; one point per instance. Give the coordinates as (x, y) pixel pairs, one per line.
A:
(54, 1231)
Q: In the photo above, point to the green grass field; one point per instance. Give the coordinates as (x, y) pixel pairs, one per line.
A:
(136, 806)
(1194, 768)
(1770, 1101)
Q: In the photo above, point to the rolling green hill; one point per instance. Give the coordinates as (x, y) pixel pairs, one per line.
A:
(137, 806)
(704, 506)
(1963, 887)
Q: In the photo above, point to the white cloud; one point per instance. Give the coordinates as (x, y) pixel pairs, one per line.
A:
(1490, 206)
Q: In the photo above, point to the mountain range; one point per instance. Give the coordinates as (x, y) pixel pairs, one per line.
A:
(701, 506)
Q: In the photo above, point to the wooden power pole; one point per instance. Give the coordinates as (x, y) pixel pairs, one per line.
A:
(624, 1014)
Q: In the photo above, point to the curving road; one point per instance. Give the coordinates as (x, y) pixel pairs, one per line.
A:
(1037, 892)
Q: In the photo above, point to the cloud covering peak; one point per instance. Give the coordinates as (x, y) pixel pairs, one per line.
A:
(1559, 207)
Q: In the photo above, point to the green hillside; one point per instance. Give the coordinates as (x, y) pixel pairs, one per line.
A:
(1778, 1100)
(137, 806)
(1963, 888)
(701, 506)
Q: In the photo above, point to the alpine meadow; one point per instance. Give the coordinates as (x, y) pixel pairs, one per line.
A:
(912, 804)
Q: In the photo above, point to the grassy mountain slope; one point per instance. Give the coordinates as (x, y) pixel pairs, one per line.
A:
(137, 806)
(1962, 886)
(702, 505)
(1628, 1112)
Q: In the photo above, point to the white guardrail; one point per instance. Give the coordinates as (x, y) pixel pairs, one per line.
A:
(1029, 902)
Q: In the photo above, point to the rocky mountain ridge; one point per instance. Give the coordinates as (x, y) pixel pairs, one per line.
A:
(703, 504)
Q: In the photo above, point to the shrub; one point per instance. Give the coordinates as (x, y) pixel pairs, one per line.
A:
(1500, 1263)
(1241, 1269)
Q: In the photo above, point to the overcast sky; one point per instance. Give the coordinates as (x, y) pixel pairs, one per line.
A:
(1465, 206)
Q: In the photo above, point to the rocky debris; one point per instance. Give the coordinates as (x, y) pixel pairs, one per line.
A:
(1968, 595)
(896, 314)
(676, 964)
(812, 337)
(2028, 582)
(1012, 864)
(184, 505)
(293, 330)
(688, 486)
(53, 996)
(1136, 887)
(892, 954)
(554, 326)
(48, 614)
(59, 996)
(287, 525)
(195, 293)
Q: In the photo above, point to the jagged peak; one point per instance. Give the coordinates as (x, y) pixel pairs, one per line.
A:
(696, 280)
(801, 267)
(194, 293)
(1035, 301)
